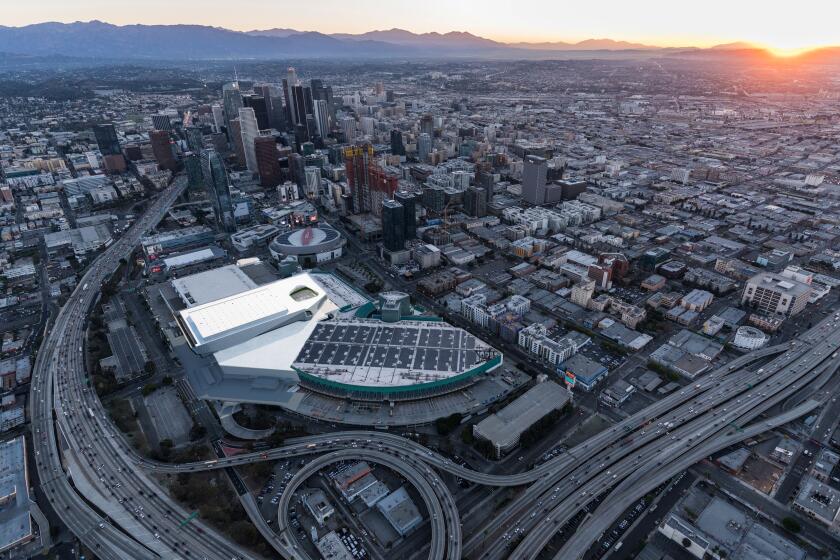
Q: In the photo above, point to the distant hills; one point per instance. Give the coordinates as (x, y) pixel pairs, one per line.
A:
(105, 41)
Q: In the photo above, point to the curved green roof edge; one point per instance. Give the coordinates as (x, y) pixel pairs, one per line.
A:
(365, 311)
(483, 368)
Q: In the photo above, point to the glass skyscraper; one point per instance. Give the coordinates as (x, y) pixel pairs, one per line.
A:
(216, 182)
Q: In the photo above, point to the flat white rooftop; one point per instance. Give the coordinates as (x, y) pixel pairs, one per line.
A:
(506, 426)
(250, 313)
(191, 257)
(340, 293)
(212, 285)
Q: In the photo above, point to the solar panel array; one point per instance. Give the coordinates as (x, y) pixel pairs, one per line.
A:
(359, 347)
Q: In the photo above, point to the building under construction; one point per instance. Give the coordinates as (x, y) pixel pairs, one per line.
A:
(370, 184)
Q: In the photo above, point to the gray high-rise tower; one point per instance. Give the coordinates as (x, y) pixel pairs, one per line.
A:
(250, 132)
(475, 201)
(107, 139)
(534, 180)
(232, 98)
(322, 117)
(289, 82)
(393, 225)
(409, 202)
(424, 147)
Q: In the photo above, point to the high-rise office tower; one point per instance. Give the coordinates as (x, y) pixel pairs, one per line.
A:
(297, 170)
(475, 201)
(322, 118)
(323, 93)
(534, 180)
(434, 198)
(302, 96)
(195, 139)
(393, 226)
(107, 139)
(250, 132)
(277, 111)
(484, 178)
(236, 141)
(219, 142)
(290, 81)
(216, 181)
(218, 117)
(162, 122)
(348, 129)
(313, 181)
(397, 146)
(424, 147)
(409, 203)
(192, 163)
(162, 149)
(427, 125)
(268, 162)
(487, 181)
(311, 127)
(368, 125)
(232, 99)
(260, 107)
(273, 97)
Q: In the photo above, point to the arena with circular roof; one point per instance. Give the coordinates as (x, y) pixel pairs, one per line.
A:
(311, 246)
(314, 345)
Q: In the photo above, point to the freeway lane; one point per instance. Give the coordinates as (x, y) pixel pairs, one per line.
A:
(397, 444)
(600, 447)
(629, 491)
(59, 382)
(734, 386)
(685, 439)
(83, 521)
(337, 440)
(727, 387)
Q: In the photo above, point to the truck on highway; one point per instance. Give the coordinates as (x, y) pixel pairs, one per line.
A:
(90, 411)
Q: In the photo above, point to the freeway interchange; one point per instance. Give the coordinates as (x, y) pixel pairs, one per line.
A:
(114, 510)
(103, 490)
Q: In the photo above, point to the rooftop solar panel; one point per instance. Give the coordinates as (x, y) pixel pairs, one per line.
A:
(373, 353)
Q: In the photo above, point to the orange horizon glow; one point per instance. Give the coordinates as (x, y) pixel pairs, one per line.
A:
(782, 28)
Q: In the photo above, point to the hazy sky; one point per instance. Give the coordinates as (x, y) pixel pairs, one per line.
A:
(779, 24)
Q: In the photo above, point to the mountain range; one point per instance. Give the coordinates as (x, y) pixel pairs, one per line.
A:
(100, 40)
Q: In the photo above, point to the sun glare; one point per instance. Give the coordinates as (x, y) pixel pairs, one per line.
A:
(787, 52)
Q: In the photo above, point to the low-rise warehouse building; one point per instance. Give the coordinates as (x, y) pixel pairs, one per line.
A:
(617, 393)
(722, 531)
(582, 372)
(400, 511)
(318, 505)
(15, 523)
(818, 501)
(504, 428)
